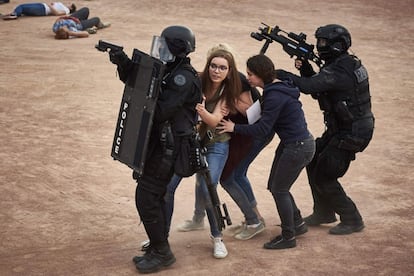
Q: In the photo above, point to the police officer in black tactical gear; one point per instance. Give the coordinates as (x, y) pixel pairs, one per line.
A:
(342, 90)
(174, 118)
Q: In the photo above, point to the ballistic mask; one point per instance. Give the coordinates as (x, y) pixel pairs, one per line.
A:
(332, 41)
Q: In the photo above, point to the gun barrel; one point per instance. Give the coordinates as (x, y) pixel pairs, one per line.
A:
(104, 46)
(257, 36)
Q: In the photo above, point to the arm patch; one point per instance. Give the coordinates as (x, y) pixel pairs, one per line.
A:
(361, 74)
(180, 80)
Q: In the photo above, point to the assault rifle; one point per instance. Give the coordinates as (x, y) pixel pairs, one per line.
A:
(205, 172)
(103, 46)
(293, 44)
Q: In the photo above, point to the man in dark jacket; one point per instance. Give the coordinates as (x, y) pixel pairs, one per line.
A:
(174, 118)
(342, 90)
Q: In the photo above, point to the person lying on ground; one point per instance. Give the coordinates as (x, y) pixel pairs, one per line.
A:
(77, 25)
(41, 9)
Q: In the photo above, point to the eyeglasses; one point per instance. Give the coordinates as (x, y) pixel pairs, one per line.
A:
(221, 68)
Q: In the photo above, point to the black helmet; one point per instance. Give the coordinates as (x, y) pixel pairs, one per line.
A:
(332, 40)
(180, 40)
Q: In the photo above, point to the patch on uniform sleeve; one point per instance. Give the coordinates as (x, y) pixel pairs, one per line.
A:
(361, 74)
(180, 80)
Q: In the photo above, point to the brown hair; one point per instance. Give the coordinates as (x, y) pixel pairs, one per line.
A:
(263, 67)
(61, 34)
(232, 83)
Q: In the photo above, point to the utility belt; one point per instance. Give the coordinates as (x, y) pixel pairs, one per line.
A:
(210, 136)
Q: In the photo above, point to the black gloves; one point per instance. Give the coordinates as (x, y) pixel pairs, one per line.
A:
(118, 57)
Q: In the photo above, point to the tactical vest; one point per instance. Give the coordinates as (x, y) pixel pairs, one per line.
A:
(348, 112)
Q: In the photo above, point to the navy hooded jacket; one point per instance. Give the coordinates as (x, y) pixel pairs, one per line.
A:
(281, 113)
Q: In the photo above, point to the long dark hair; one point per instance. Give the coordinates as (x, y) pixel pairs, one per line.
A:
(263, 67)
(232, 82)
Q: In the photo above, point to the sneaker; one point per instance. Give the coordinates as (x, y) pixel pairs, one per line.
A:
(220, 250)
(280, 243)
(154, 260)
(191, 225)
(236, 229)
(92, 30)
(346, 229)
(250, 231)
(301, 229)
(10, 17)
(102, 25)
(315, 220)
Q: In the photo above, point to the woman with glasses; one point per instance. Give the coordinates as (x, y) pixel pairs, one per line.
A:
(221, 87)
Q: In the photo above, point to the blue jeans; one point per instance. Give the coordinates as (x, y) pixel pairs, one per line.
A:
(31, 9)
(216, 158)
(289, 161)
(238, 185)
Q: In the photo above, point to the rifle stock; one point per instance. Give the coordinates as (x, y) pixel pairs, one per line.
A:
(221, 219)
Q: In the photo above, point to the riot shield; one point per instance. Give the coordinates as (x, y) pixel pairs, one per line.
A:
(136, 112)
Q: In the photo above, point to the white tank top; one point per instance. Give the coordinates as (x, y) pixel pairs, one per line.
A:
(57, 6)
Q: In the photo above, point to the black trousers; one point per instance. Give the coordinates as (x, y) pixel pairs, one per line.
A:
(83, 14)
(149, 196)
(329, 164)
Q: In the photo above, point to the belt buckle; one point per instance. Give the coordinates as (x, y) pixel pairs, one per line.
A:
(210, 134)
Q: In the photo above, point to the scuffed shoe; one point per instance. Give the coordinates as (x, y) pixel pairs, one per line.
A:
(315, 220)
(250, 231)
(346, 229)
(102, 25)
(236, 229)
(92, 30)
(11, 16)
(219, 250)
(191, 225)
(280, 243)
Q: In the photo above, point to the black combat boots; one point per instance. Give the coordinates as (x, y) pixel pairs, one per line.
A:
(154, 259)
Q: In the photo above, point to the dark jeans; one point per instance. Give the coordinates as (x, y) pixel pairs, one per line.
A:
(290, 159)
(83, 14)
(237, 184)
(329, 197)
(31, 9)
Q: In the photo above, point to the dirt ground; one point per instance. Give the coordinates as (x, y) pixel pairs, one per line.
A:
(67, 208)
